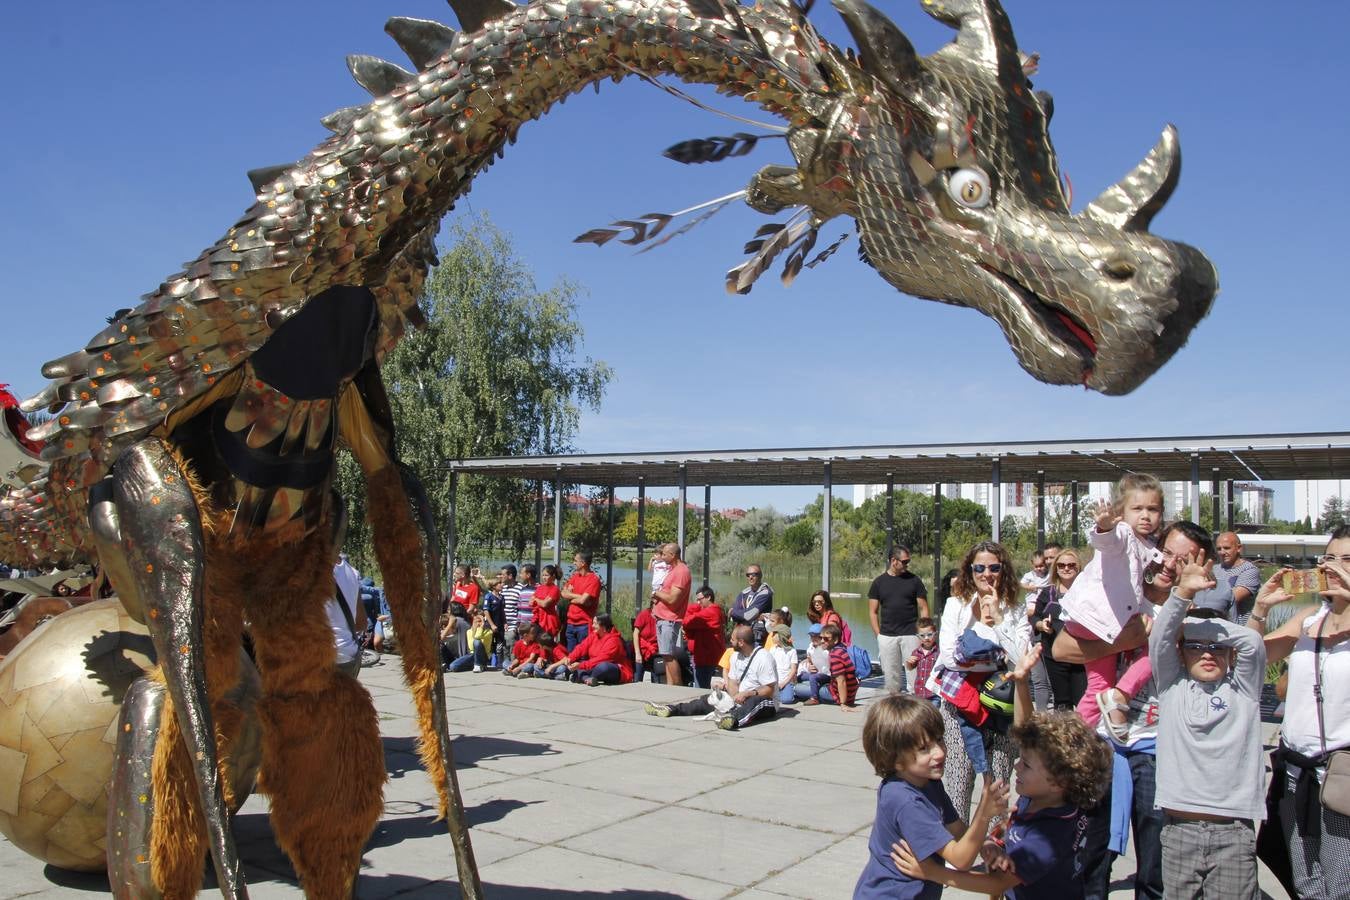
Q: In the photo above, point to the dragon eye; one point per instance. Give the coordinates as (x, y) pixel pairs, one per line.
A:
(969, 188)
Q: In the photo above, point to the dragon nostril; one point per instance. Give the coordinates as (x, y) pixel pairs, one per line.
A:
(1118, 269)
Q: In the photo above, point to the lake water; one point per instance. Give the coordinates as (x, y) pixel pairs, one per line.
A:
(794, 593)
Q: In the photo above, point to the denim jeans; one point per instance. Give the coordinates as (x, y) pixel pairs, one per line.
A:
(478, 657)
(703, 676)
(816, 685)
(606, 673)
(787, 694)
(575, 634)
(1146, 824)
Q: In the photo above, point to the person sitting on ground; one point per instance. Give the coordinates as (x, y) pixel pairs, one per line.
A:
(703, 623)
(785, 662)
(778, 618)
(454, 635)
(843, 675)
(903, 740)
(599, 658)
(820, 611)
(749, 683)
(924, 658)
(524, 651)
(1062, 770)
(813, 672)
(550, 651)
(479, 638)
(545, 602)
(644, 641)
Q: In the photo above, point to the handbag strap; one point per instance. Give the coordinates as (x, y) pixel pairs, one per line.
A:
(1317, 681)
(346, 608)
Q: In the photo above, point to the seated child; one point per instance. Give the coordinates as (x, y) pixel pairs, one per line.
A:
(813, 675)
(550, 651)
(1062, 769)
(1109, 593)
(523, 652)
(777, 617)
(479, 639)
(785, 663)
(902, 738)
(843, 676)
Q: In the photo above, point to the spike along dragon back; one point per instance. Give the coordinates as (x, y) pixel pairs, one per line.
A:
(193, 439)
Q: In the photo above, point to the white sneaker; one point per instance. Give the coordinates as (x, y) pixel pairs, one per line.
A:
(478, 668)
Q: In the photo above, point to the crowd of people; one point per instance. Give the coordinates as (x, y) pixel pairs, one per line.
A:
(1118, 692)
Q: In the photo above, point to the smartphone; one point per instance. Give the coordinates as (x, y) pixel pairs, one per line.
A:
(1305, 581)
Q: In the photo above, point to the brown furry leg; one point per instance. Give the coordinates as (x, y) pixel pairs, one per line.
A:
(178, 842)
(398, 545)
(321, 754)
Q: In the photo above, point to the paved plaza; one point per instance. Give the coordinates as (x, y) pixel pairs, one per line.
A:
(574, 792)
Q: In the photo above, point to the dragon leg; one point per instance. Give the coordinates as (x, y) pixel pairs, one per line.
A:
(162, 552)
(131, 800)
(405, 545)
(322, 760)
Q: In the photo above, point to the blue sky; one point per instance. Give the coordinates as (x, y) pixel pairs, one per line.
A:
(130, 127)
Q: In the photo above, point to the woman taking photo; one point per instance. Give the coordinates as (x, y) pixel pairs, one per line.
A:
(1068, 681)
(985, 590)
(1316, 642)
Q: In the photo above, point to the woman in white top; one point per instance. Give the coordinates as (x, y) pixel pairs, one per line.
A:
(985, 590)
(1318, 838)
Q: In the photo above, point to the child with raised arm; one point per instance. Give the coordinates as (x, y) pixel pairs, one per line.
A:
(1063, 768)
(1209, 672)
(1109, 593)
(902, 738)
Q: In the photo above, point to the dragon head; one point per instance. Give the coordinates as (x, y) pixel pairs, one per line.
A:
(946, 164)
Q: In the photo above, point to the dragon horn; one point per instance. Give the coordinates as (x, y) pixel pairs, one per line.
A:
(1131, 203)
(883, 49)
(983, 33)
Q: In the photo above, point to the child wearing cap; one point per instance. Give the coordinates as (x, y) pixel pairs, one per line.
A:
(813, 685)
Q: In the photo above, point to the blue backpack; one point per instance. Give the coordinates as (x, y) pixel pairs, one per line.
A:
(861, 661)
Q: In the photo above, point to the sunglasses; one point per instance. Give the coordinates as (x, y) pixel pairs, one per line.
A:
(751, 574)
(995, 568)
(1203, 647)
(1066, 565)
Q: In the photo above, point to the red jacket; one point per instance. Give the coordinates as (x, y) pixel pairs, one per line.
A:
(546, 617)
(645, 626)
(521, 651)
(598, 648)
(703, 631)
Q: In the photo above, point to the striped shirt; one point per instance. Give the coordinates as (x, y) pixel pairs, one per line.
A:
(841, 664)
(510, 595)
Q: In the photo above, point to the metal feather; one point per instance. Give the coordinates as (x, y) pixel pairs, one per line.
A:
(828, 251)
(713, 149)
(769, 241)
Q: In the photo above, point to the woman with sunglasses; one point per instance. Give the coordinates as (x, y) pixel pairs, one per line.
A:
(985, 591)
(1068, 681)
(1316, 641)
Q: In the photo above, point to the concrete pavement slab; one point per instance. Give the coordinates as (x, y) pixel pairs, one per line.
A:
(831, 873)
(558, 873)
(544, 811)
(791, 801)
(607, 733)
(838, 766)
(709, 746)
(646, 777)
(554, 755)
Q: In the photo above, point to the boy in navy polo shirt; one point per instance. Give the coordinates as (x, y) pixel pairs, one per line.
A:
(1063, 768)
(903, 741)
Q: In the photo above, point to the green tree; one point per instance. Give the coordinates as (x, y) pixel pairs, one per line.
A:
(496, 371)
(1333, 515)
(800, 538)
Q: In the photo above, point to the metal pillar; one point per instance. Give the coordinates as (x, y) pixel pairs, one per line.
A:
(683, 485)
(557, 520)
(825, 527)
(937, 535)
(996, 489)
(451, 529)
(1230, 504)
(538, 526)
(1195, 488)
(890, 516)
(609, 553)
(707, 532)
(1214, 500)
(1074, 536)
(639, 600)
(1040, 510)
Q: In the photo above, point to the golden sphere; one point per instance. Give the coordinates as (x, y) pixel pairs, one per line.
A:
(61, 691)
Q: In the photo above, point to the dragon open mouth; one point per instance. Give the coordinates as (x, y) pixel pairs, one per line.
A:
(1059, 323)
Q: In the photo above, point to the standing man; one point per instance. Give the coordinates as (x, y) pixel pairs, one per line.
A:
(896, 601)
(582, 591)
(754, 600)
(671, 603)
(346, 616)
(1235, 574)
(509, 591)
(525, 588)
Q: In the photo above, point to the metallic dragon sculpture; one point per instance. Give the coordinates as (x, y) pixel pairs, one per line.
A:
(192, 445)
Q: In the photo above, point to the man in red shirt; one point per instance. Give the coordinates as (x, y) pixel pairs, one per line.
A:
(672, 600)
(582, 591)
